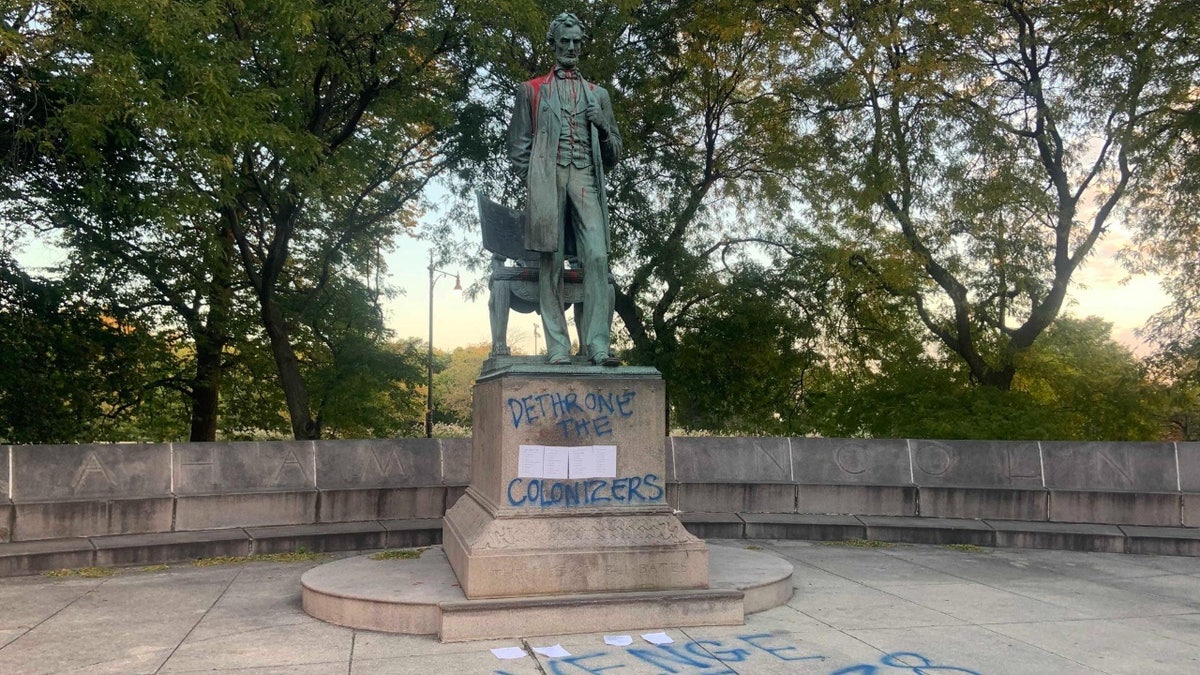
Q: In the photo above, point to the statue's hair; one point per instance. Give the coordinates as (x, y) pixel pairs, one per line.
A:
(564, 20)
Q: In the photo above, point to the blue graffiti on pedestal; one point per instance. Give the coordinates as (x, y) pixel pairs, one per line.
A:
(589, 416)
(644, 489)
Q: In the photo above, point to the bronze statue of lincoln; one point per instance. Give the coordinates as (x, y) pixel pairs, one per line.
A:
(561, 140)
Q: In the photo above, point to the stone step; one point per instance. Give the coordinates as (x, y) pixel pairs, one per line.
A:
(516, 617)
(33, 557)
(421, 597)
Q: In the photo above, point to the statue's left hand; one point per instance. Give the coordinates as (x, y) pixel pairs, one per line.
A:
(594, 117)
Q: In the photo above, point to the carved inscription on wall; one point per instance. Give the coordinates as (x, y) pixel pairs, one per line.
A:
(1119, 469)
(290, 467)
(92, 476)
(116, 471)
(384, 464)
(933, 459)
(1142, 467)
(205, 467)
(851, 458)
(198, 466)
(988, 464)
(1022, 466)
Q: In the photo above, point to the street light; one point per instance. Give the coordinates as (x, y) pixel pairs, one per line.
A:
(434, 275)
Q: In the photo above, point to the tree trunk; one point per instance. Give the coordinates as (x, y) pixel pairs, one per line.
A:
(304, 427)
(206, 390)
(211, 339)
(626, 308)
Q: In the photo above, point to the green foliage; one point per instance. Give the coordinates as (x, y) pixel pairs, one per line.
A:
(299, 555)
(971, 154)
(851, 218)
(1093, 387)
(924, 399)
(1074, 384)
(859, 543)
(85, 572)
(69, 369)
(965, 548)
(741, 364)
(1183, 408)
(229, 172)
(453, 385)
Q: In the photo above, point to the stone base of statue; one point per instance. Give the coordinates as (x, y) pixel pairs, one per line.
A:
(568, 489)
(565, 527)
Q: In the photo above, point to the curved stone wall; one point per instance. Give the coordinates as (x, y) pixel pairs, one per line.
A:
(57, 492)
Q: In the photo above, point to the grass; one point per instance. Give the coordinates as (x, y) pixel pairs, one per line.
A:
(85, 572)
(965, 548)
(300, 555)
(399, 554)
(290, 557)
(859, 543)
(752, 547)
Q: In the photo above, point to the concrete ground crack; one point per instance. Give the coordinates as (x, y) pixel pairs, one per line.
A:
(193, 628)
(537, 663)
(60, 610)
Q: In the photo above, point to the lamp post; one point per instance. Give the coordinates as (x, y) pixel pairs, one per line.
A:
(434, 275)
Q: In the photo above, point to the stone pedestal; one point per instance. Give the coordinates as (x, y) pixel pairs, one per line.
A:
(514, 535)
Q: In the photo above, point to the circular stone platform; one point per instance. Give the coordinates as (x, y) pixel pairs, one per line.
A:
(421, 596)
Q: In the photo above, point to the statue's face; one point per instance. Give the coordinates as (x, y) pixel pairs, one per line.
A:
(567, 44)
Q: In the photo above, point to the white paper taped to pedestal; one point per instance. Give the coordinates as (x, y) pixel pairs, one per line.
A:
(580, 461)
(594, 461)
(531, 461)
(556, 462)
(606, 461)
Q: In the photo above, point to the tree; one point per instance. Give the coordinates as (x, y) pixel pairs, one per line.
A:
(1167, 216)
(453, 384)
(972, 154)
(1094, 388)
(743, 362)
(706, 126)
(86, 169)
(279, 145)
(1076, 383)
(70, 372)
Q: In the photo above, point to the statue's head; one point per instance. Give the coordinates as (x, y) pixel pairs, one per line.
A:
(566, 36)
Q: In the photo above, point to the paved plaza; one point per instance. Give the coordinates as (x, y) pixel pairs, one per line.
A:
(862, 611)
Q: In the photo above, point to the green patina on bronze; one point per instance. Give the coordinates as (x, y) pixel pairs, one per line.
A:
(561, 139)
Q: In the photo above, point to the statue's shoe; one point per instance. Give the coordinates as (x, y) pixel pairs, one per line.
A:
(605, 360)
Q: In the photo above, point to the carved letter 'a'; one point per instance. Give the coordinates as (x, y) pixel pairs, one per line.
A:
(291, 460)
(92, 469)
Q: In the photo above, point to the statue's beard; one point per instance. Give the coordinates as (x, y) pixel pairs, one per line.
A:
(568, 61)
